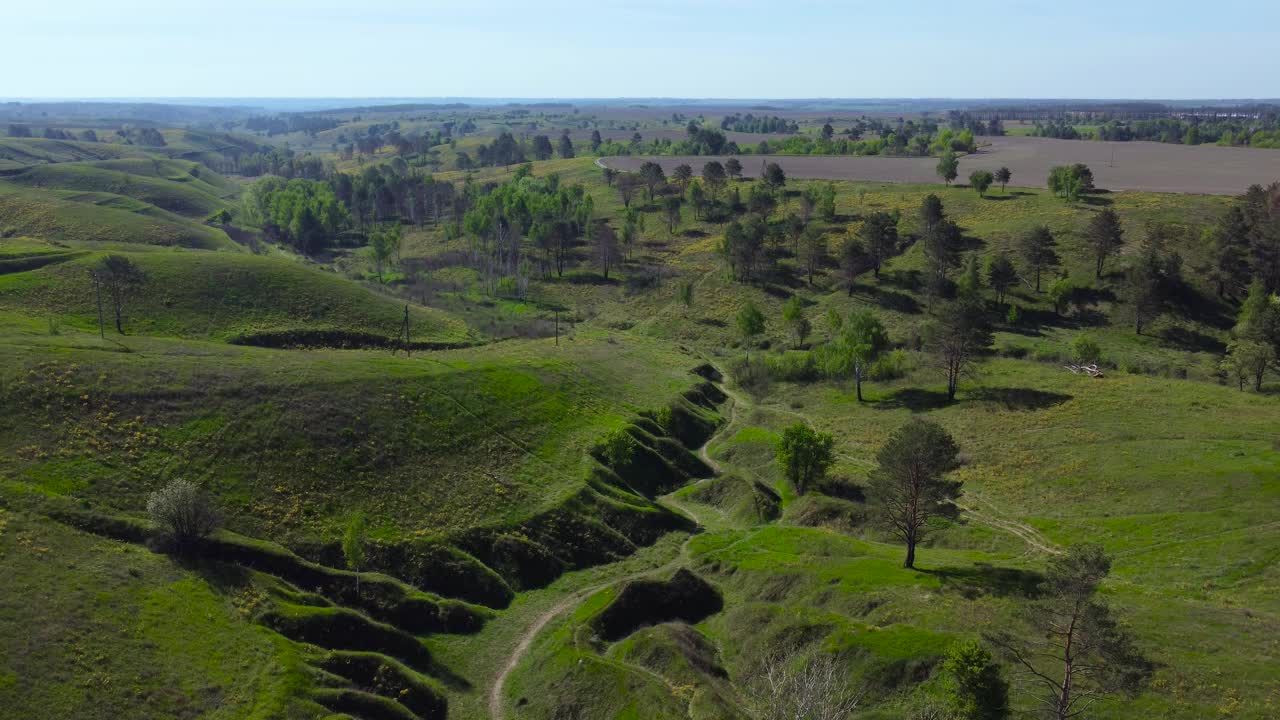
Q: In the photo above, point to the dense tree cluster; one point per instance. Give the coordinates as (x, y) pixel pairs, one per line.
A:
(906, 138)
(1060, 129)
(391, 191)
(531, 224)
(302, 213)
(290, 123)
(762, 124)
(960, 120)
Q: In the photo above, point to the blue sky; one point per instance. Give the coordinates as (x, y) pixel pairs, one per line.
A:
(655, 48)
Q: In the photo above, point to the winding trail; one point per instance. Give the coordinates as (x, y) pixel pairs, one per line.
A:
(496, 710)
(989, 516)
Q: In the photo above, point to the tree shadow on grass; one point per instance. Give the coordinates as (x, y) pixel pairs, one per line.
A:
(985, 579)
(590, 279)
(891, 299)
(910, 280)
(225, 577)
(1018, 398)
(1185, 339)
(913, 399)
(778, 291)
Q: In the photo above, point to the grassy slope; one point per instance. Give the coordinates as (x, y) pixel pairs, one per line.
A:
(168, 188)
(86, 216)
(22, 152)
(223, 296)
(294, 441)
(1193, 534)
(98, 629)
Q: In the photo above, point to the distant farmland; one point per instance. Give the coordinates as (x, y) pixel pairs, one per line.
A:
(675, 134)
(1155, 167)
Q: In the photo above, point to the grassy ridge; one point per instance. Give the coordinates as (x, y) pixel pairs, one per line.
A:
(22, 152)
(98, 629)
(225, 296)
(295, 441)
(87, 216)
(178, 192)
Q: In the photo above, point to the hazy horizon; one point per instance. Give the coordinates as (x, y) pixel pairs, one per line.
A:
(663, 49)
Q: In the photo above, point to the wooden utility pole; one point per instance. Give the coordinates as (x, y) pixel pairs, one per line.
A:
(97, 290)
(407, 345)
(557, 328)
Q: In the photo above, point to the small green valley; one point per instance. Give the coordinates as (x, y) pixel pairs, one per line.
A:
(583, 411)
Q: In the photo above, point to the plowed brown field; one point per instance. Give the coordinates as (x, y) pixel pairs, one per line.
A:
(1155, 167)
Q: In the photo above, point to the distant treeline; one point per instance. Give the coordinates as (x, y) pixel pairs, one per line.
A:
(1099, 112)
(290, 123)
(1263, 132)
(763, 124)
(978, 125)
(915, 138)
(126, 135)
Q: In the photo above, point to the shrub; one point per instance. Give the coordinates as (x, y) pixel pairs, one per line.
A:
(663, 417)
(220, 217)
(975, 690)
(1085, 350)
(1013, 316)
(793, 367)
(617, 449)
(750, 374)
(890, 366)
(184, 511)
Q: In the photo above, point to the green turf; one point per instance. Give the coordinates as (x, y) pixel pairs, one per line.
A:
(96, 628)
(22, 152)
(166, 186)
(96, 216)
(224, 296)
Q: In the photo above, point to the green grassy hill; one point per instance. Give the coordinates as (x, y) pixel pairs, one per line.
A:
(474, 467)
(17, 153)
(205, 145)
(166, 186)
(229, 297)
(101, 217)
(183, 171)
(114, 630)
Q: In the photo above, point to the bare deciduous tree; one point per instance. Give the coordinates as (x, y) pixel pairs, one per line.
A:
(813, 689)
(1075, 652)
(120, 276)
(605, 244)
